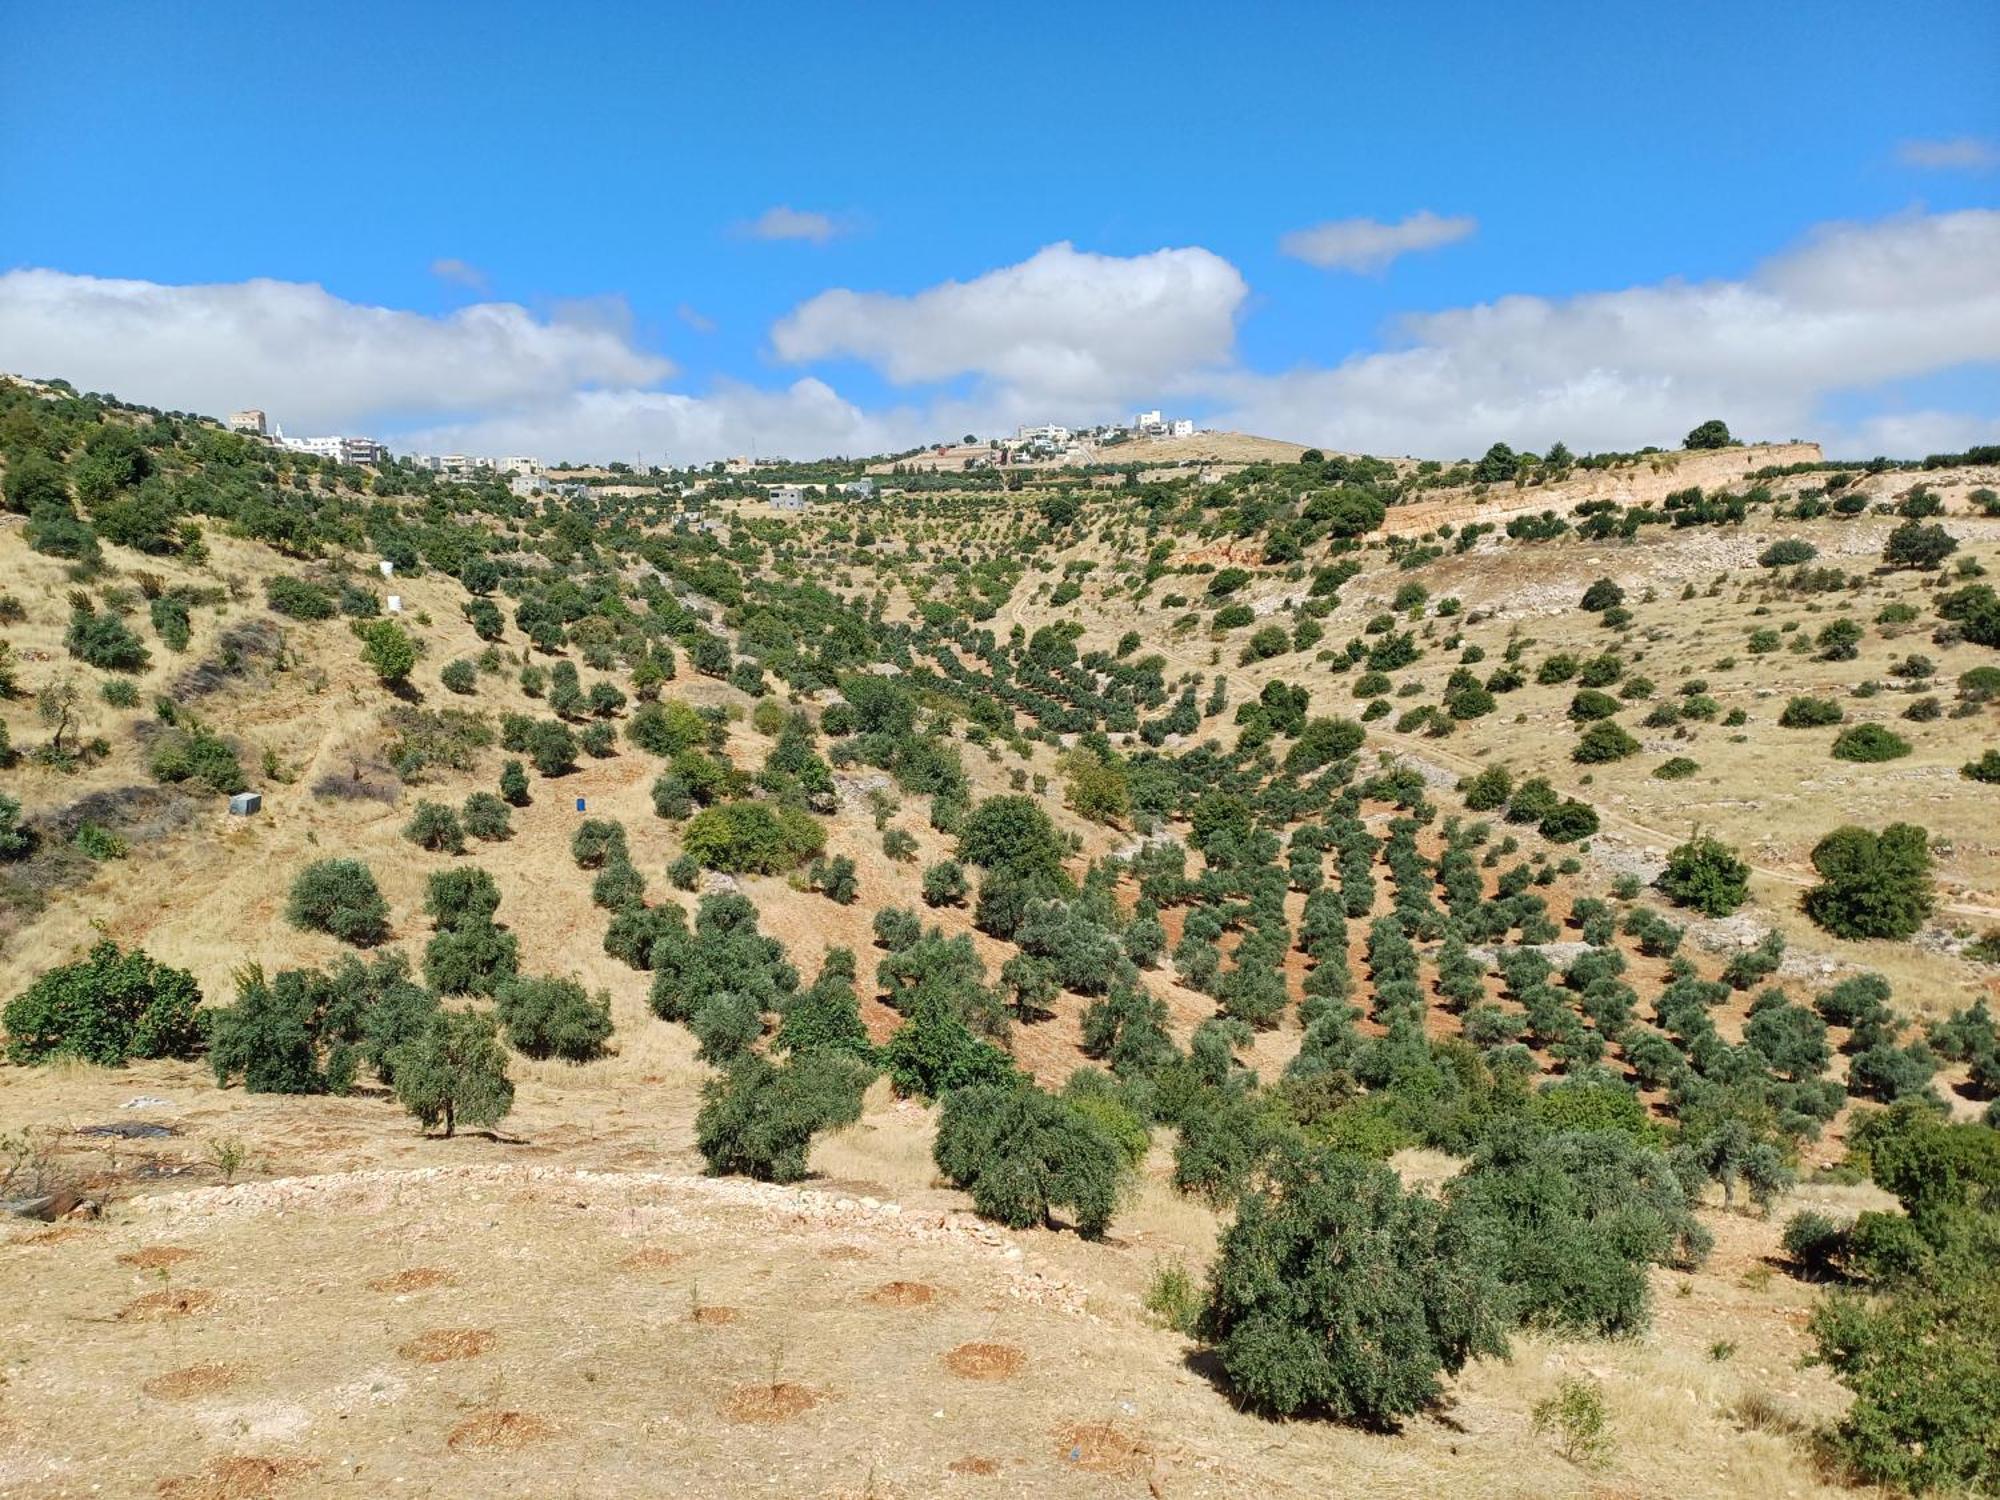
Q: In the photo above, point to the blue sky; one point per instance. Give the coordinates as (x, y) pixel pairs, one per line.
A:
(599, 168)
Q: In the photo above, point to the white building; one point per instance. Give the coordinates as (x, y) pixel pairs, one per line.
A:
(251, 421)
(1049, 433)
(860, 489)
(342, 450)
(1183, 427)
(525, 485)
(786, 496)
(520, 464)
(1147, 421)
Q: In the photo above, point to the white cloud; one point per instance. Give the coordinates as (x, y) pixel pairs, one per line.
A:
(807, 419)
(783, 223)
(1064, 329)
(1370, 245)
(313, 360)
(1855, 306)
(461, 272)
(1965, 153)
(695, 318)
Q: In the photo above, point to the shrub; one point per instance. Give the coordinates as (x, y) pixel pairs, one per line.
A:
(1810, 713)
(340, 898)
(1676, 768)
(460, 895)
(1576, 1415)
(120, 692)
(1872, 885)
(486, 817)
(104, 642)
(1787, 552)
(298, 599)
(192, 754)
(1590, 705)
(759, 1118)
(1706, 874)
(551, 746)
(387, 648)
(514, 783)
(1985, 769)
(1283, 1315)
(1602, 595)
(945, 884)
(1021, 1153)
(1869, 743)
(553, 1018)
(454, 1070)
(1603, 741)
(460, 676)
(751, 838)
(1568, 821)
(597, 842)
(104, 1009)
(435, 827)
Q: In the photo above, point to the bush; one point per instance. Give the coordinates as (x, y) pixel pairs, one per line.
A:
(1706, 874)
(1603, 741)
(1872, 885)
(192, 754)
(1676, 768)
(298, 599)
(1589, 705)
(387, 648)
(340, 898)
(460, 676)
(597, 842)
(751, 838)
(1814, 1243)
(554, 1018)
(1869, 743)
(454, 1070)
(1021, 1153)
(1602, 595)
(1985, 769)
(945, 884)
(460, 895)
(1284, 1315)
(486, 817)
(435, 827)
(103, 641)
(1787, 552)
(1810, 713)
(759, 1118)
(514, 783)
(105, 1009)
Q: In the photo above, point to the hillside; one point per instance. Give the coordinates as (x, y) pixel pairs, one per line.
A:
(1228, 822)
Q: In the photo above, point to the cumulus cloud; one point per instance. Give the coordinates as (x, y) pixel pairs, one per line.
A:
(460, 272)
(1064, 328)
(313, 360)
(807, 419)
(1965, 153)
(783, 223)
(1853, 307)
(1367, 245)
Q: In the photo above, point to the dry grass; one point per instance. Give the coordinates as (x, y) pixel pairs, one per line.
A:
(416, 1279)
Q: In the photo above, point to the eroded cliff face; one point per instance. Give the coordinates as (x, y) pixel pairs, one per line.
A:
(1647, 481)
